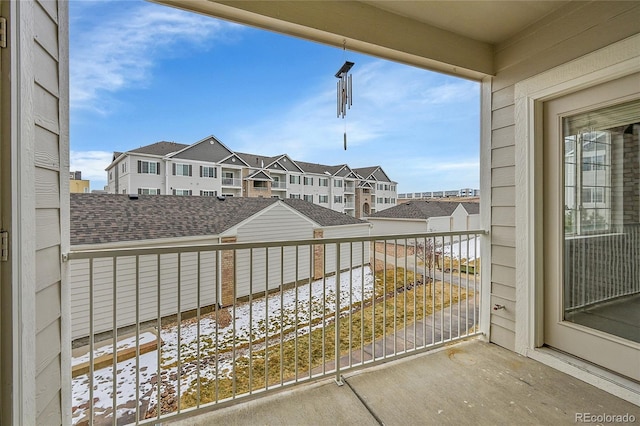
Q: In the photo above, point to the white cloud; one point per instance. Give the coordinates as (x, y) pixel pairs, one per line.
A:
(120, 50)
(92, 165)
(393, 105)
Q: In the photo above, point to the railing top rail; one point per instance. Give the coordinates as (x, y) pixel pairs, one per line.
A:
(173, 249)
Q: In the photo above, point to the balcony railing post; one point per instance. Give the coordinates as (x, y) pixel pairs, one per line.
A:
(337, 314)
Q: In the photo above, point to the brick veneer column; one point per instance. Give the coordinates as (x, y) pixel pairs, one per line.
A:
(318, 255)
(228, 274)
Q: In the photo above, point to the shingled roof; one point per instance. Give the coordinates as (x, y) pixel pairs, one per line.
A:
(321, 215)
(109, 218)
(160, 148)
(425, 209)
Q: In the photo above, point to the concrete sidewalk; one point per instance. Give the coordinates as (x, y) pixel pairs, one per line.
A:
(472, 382)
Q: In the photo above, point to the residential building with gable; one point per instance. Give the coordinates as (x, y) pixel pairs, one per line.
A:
(112, 221)
(209, 168)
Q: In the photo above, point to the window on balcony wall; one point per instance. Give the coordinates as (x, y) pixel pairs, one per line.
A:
(337, 199)
(308, 181)
(337, 183)
(294, 179)
(149, 191)
(323, 181)
(148, 167)
(308, 198)
(181, 192)
(208, 172)
(182, 169)
(323, 199)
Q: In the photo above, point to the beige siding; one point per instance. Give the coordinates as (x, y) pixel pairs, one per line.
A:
(280, 223)
(51, 144)
(390, 227)
(568, 33)
(350, 254)
(192, 290)
(277, 223)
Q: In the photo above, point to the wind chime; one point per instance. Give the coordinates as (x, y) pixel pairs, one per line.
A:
(345, 98)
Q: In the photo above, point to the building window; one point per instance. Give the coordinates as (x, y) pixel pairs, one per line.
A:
(308, 198)
(86, 190)
(208, 172)
(149, 191)
(337, 183)
(124, 191)
(337, 199)
(380, 186)
(294, 196)
(148, 167)
(110, 176)
(393, 200)
(308, 181)
(386, 200)
(181, 169)
(323, 199)
(323, 181)
(294, 179)
(379, 200)
(124, 167)
(260, 184)
(181, 192)
(208, 193)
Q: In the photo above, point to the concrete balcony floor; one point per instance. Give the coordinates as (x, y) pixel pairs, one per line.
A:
(472, 382)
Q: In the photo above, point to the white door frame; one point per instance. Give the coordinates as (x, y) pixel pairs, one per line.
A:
(614, 61)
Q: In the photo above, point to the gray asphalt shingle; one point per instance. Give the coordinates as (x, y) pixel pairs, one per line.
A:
(424, 209)
(108, 218)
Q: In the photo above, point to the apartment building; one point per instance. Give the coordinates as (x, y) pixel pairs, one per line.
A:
(209, 168)
(77, 184)
(464, 192)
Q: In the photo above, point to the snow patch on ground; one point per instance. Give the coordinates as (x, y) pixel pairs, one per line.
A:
(263, 318)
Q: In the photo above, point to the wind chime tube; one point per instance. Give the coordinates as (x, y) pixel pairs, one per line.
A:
(350, 86)
(338, 96)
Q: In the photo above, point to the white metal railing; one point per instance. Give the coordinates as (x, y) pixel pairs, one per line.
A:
(600, 267)
(201, 326)
(349, 204)
(278, 185)
(231, 181)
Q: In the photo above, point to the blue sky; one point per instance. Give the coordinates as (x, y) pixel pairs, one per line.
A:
(143, 73)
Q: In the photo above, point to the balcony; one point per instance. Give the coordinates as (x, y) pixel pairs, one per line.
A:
(350, 205)
(231, 182)
(207, 327)
(471, 382)
(349, 188)
(279, 185)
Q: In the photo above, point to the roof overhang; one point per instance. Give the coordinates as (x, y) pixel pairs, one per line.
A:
(363, 27)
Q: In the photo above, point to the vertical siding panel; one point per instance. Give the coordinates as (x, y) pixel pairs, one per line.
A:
(51, 152)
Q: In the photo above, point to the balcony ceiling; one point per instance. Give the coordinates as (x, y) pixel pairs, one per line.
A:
(453, 37)
(487, 21)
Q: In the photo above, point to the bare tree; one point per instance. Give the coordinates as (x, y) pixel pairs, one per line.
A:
(425, 252)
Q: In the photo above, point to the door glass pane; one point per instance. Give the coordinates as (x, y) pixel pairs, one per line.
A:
(602, 219)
